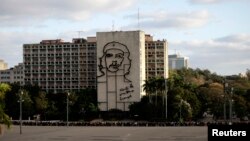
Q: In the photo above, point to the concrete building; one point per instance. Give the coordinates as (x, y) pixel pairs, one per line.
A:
(58, 66)
(116, 63)
(156, 57)
(176, 61)
(13, 75)
(120, 68)
(3, 65)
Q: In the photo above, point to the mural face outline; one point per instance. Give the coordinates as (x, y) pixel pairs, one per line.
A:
(114, 59)
(124, 65)
(115, 63)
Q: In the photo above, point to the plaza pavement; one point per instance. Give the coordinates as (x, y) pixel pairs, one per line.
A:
(95, 133)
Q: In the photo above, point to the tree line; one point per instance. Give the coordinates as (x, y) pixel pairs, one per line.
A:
(193, 94)
(188, 95)
(41, 105)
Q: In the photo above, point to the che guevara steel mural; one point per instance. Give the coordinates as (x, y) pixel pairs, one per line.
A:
(114, 67)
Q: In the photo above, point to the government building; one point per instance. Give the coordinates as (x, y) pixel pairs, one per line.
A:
(116, 63)
(57, 66)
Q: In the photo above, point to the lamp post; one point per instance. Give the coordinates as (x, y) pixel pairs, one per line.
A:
(230, 105)
(166, 95)
(20, 116)
(68, 108)
(180, 109)
(224, 106)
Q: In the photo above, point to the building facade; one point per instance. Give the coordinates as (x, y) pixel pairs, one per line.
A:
(176, 61)
(58, 66)
(3, 65)
(120, 68)
(156, 57)
(13, 75)
(116, 63)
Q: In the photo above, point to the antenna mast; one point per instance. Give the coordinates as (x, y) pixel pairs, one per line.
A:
(138, 18)
(79, 33)
(113, 25)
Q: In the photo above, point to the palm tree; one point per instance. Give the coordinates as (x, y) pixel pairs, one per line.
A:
(4, 118)
(147, 87)
(155, 86)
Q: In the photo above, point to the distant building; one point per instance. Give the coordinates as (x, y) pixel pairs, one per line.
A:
(3, 65)
(176, 61)
(57, 66)
(13, 75)
(156, 57)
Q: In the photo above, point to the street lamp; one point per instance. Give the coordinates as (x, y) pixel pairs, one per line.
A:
(20, 116)
(180, 109)
(68, 108)
(166, 95)
(224, 106)
(230, 104)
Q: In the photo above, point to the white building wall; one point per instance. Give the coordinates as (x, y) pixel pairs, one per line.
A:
(3, 65)
(166, 67)
(120, 68)
(12, 75)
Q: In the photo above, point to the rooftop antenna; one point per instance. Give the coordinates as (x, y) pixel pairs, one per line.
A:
(138, 18)
(113, 25)
(79, 33)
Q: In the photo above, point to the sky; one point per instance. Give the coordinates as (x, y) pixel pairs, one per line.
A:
(214, 34)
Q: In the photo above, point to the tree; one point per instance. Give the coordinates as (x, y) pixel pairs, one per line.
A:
(4, 118)
(85, 106)
(27, 106)
(41, 103)
(11, 101)
(248, 74)
(142, 110)
(240, 106)
(148, 88)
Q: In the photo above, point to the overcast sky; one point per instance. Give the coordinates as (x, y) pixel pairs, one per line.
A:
(214, 34)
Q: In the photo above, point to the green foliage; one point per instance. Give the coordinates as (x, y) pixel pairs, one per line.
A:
(4, 118)
(201, 91)
(41, 103)
(248, 74)
(143, 110)
(190, 93)
(50, 106)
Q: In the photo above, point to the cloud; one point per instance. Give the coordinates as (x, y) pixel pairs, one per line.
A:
(172, 20)
(242, 38)
(212, 1)
(25, 12)
(11, 45)
(225, 55)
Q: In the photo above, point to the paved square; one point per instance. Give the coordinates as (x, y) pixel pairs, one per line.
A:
(88, 133)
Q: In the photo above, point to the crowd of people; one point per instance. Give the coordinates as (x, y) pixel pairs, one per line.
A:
(119, 123)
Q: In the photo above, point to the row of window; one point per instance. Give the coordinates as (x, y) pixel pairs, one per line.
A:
(57, 54)
(155, 47)
(153, 56)
(60, 88)
(155, 69)
(153, 73)
(153, 52)
(5, 77)
(153, 60)
(58, 63)
(8, 77)
(5, 72)
(59, 46)
(15, 73)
